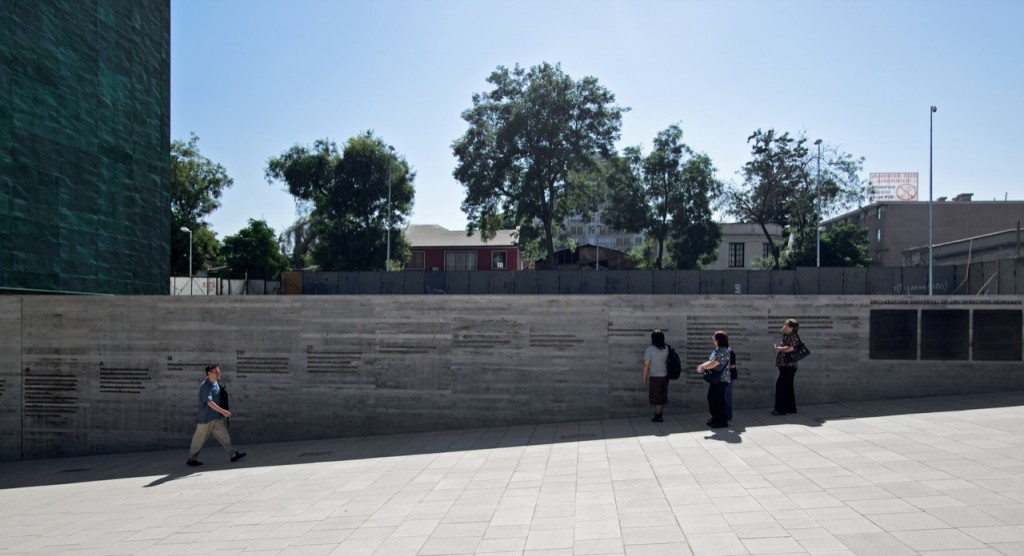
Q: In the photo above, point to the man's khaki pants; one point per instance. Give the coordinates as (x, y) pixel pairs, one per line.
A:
(203, 431)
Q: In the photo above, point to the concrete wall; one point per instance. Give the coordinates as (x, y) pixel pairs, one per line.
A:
(101, 375)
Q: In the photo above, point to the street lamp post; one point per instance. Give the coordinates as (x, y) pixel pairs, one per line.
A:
(931, 114)
(817, 203)
(387, 263)
(184, 229)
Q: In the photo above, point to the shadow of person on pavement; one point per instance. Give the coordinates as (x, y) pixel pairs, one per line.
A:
(172, 476)
(732, 434)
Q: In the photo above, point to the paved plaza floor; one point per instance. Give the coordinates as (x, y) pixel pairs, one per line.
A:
(942, 475)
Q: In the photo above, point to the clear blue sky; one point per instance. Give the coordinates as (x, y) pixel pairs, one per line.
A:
(254, 77)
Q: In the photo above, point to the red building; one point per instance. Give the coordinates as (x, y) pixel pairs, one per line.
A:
(437, 248)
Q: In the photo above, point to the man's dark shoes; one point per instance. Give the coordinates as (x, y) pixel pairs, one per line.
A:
(718, 425)
(778, 413)
(193, 463)
(657, 419)
(237, 456)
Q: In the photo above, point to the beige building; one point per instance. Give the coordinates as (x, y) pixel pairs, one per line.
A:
(742, 245)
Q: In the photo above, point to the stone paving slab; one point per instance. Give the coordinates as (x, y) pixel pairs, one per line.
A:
(941, 475)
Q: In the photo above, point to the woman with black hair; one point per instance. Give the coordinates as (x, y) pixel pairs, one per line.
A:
(655, 373)
(785, 394)
(718, 365)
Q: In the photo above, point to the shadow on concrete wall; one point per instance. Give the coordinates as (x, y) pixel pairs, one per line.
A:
(155, 469)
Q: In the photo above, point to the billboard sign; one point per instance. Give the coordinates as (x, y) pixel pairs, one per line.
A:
(892, 186)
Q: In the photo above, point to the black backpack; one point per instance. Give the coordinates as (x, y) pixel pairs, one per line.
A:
(224, 403)
(674, 364)
(732, 365)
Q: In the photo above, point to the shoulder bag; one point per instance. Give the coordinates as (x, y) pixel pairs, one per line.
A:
(798, 353)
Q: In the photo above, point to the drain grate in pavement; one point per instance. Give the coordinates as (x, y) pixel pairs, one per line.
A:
(315, 454)
(83, 470)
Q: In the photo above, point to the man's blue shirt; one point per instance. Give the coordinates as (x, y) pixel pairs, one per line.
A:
(208, 391)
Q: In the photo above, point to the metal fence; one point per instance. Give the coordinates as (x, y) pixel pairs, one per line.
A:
(1005, 277)
(203, 286)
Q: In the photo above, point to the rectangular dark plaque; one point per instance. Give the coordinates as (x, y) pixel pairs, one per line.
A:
(997, 335)
(945, 335)
(893, 334)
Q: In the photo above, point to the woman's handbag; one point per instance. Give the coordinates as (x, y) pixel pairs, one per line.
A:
(713, 376)
(798, 353)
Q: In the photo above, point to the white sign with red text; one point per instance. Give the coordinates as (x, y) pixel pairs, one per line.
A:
(892, 186)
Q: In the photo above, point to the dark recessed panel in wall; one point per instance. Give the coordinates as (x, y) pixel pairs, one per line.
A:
(945, 335)
(997, 335)
(893, 334)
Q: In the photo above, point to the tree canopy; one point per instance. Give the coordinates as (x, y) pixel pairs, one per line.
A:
(254, 253)
(196, 187)
(206, 250)
(349, 193)
(297, 242)
(842, 245)
(666, 194)
(782, 185)
(528, 150)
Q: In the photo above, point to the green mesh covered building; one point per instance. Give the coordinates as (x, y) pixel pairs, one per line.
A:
(85, 146)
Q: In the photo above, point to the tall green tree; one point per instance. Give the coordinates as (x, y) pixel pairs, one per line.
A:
(695, 234)
(842, 245)
(254, 253)
(668, 196)
(782, 185)
(196, 187)
(770, 182)
(349, 194)
(297, 243)
(832, 184)
(531, 143)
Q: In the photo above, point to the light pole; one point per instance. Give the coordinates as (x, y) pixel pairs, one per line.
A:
(931, 117)
(184, 229)
(387, 263)
(817, 202)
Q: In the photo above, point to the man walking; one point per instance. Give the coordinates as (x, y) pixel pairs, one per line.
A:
(211, 419)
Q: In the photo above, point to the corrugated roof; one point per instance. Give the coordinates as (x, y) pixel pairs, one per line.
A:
(432, 235)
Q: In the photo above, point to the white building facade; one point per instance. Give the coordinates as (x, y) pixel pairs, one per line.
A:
(742, 245)
(593, 232)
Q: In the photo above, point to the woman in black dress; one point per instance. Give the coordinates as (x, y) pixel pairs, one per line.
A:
(718, 365)
(785, 396)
